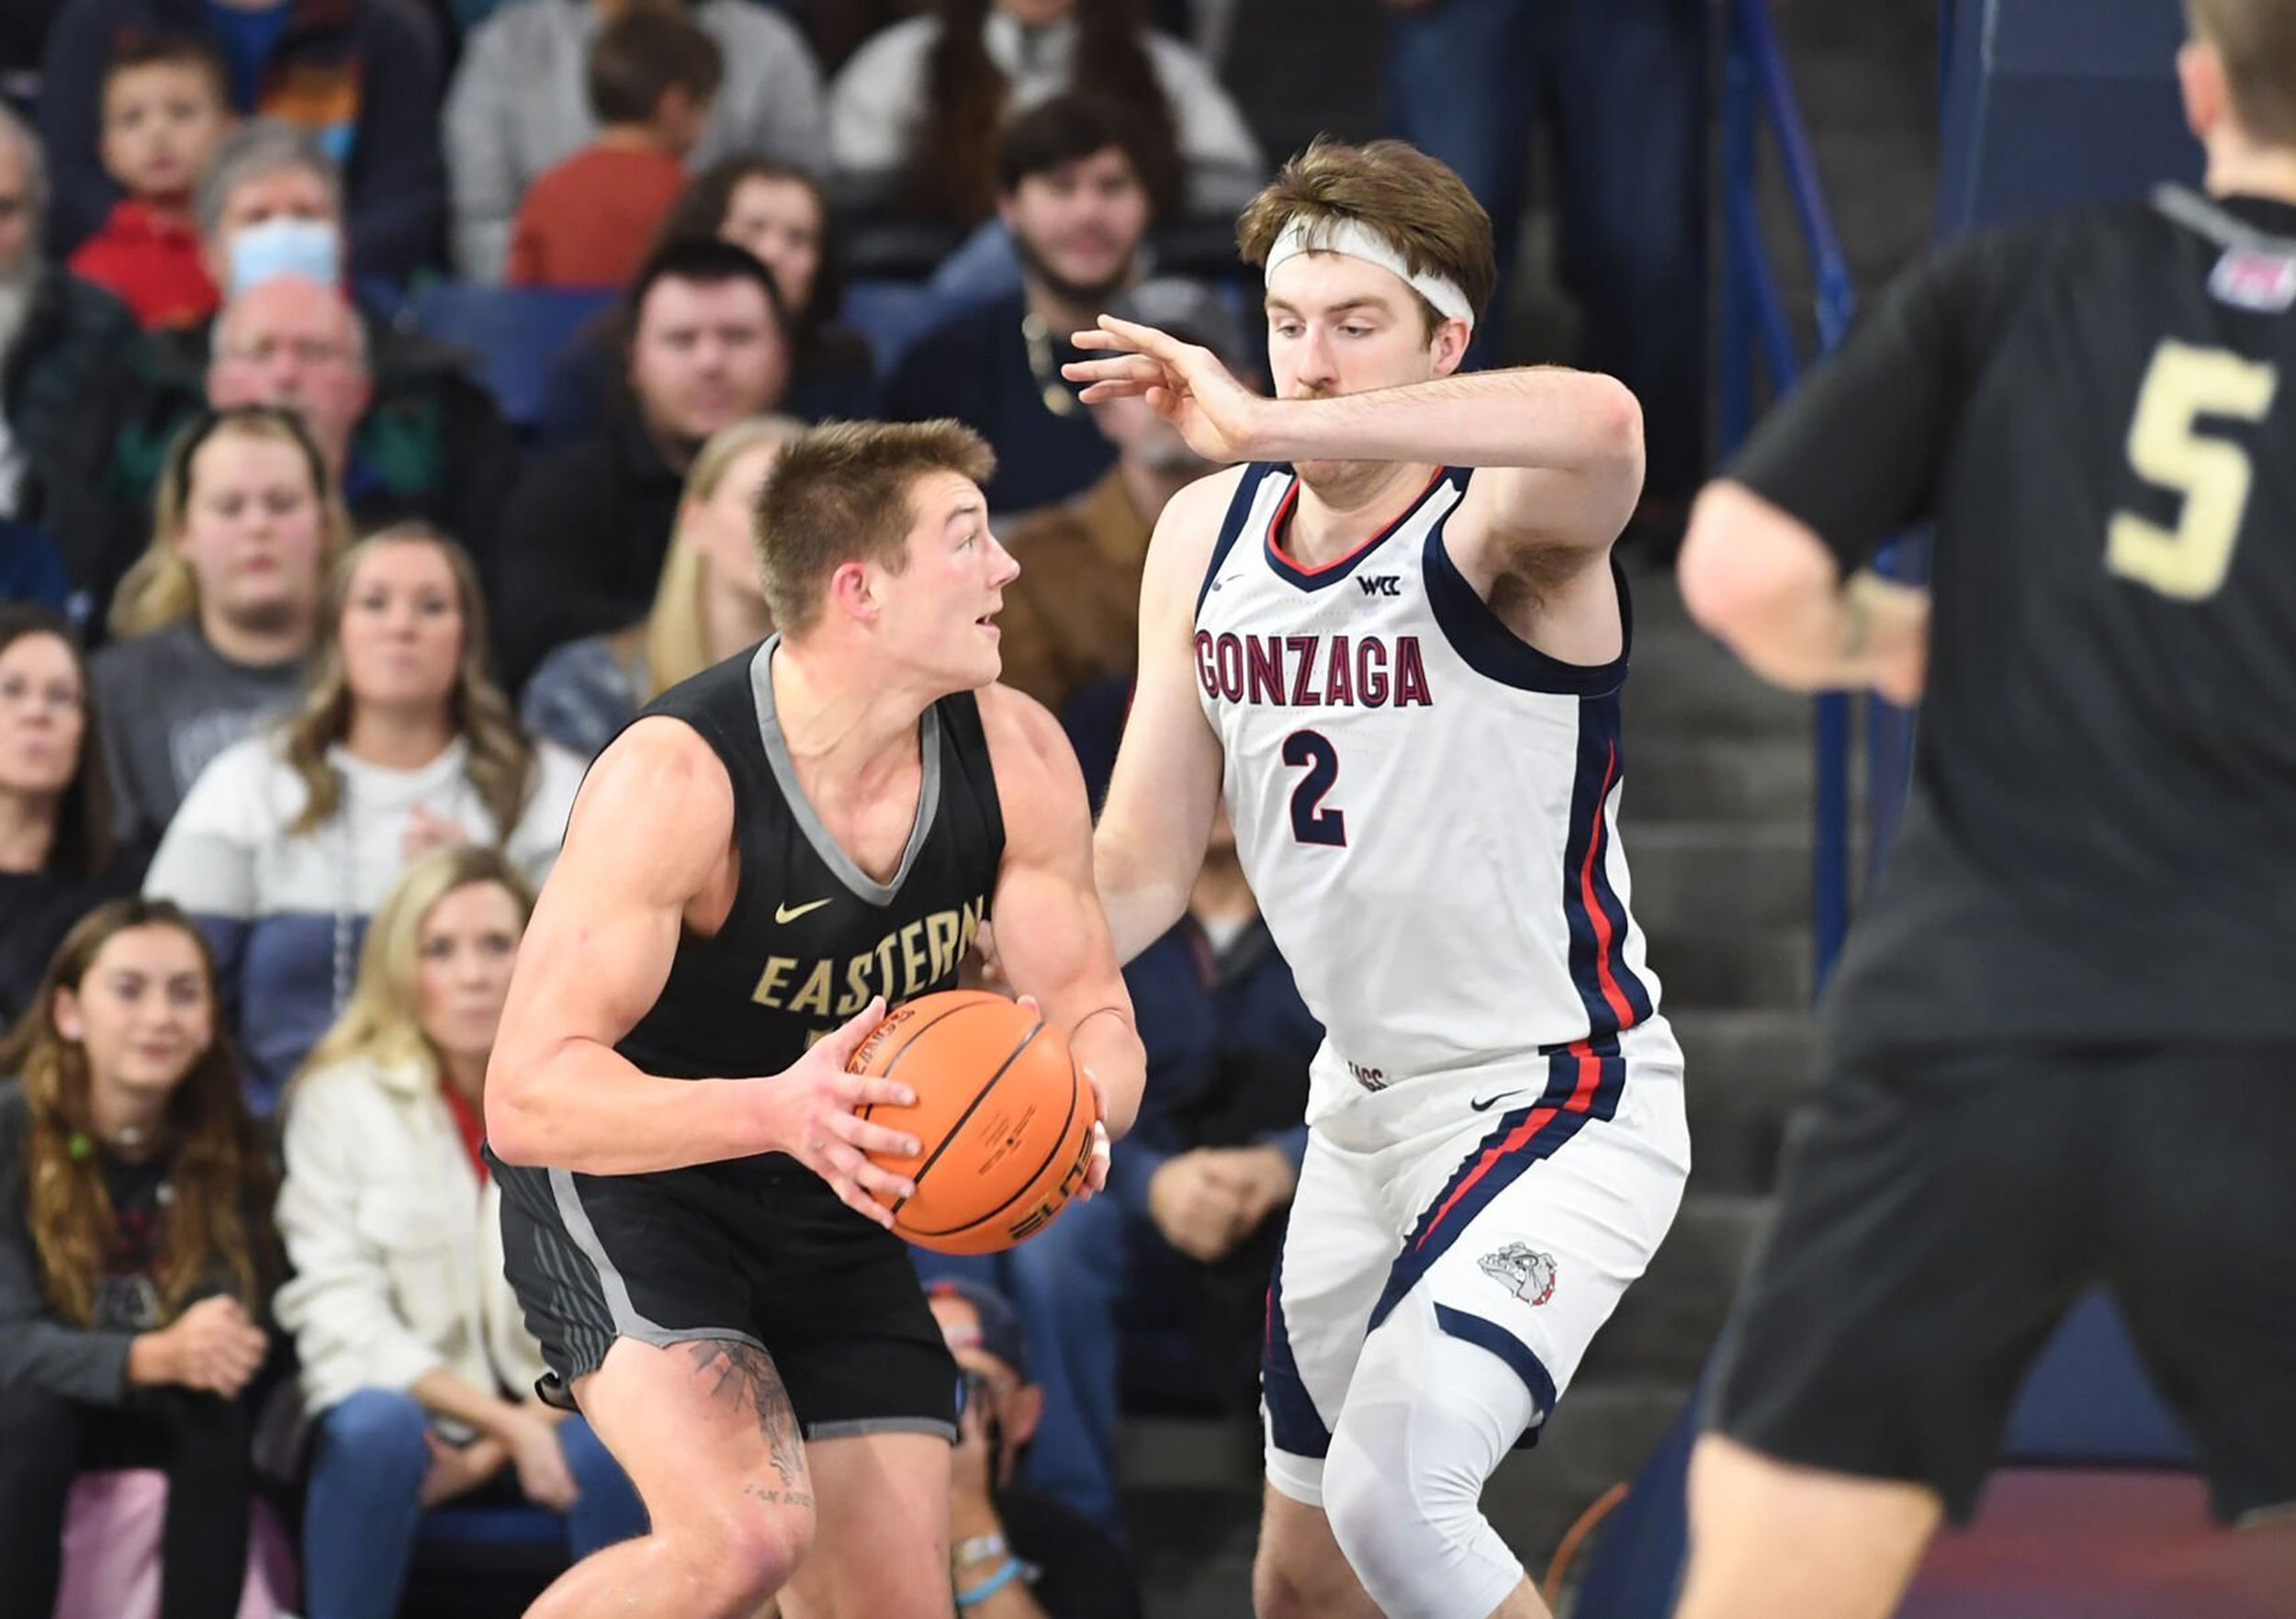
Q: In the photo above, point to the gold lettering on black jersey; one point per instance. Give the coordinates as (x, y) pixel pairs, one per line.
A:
(903, 963)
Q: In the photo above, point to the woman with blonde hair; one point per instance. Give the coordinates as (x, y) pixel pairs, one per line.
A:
(290, 840)
(416, 1366)
(709, 605)
(213, 626)
(136, 1257)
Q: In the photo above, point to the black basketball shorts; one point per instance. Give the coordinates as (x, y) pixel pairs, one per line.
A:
(760, 1252)
(1943, 1210)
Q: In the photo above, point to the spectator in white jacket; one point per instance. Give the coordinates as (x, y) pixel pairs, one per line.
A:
(288, 842)
(520, 105)
(417, 1367)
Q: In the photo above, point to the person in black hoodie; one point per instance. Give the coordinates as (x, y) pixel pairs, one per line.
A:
(584, 536)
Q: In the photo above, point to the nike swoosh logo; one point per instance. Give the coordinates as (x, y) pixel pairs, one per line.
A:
(1486, 1104)
(784, 914)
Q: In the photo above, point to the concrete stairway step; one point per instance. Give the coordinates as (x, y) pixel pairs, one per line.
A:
(1732, 968)
(1746, 1073)
(1719, 877)
(1602, 1435)
(1667, 1323)
(1734, 779)
(1686, 688)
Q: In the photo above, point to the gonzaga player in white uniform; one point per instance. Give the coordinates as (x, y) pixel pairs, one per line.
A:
(1394, 642)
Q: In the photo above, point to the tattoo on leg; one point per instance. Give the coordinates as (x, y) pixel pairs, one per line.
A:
(738, 1372)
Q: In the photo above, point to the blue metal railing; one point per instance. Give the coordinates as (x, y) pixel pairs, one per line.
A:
(1755, 86)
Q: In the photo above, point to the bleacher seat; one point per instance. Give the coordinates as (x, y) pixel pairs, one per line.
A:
(511, 334)
(890, 315)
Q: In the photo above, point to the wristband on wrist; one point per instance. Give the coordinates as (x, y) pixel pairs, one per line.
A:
(981, 1548)
(988, 1588)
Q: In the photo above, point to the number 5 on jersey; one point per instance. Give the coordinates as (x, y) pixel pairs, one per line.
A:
(2213, 475)
(1310, 822)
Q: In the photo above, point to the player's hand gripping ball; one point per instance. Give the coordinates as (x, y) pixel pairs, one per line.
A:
(1003, 1115)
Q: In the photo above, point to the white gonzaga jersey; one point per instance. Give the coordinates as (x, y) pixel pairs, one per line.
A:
(1425, 806)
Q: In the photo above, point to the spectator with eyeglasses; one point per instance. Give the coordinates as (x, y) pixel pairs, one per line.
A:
(407, 432)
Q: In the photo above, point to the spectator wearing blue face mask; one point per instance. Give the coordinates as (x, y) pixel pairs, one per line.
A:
(426, 442)
(361, 76)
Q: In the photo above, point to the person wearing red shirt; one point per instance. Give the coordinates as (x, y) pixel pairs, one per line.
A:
(167, 108)
(591, 221)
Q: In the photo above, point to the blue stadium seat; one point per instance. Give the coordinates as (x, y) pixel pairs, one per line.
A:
(2056, 103)
(511, 334)
(891, 315)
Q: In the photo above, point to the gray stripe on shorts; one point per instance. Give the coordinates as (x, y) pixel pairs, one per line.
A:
(867, 1425)
(625, 1319)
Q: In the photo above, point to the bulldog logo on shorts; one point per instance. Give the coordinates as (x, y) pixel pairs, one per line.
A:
(1529, 1277)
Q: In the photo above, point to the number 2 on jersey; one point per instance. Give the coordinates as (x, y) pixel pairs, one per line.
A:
(2213, 476)
(1310, 822)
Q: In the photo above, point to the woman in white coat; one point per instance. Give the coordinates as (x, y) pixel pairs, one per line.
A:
(417, 1369)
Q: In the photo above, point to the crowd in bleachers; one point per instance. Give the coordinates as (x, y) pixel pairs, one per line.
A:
(384, 388)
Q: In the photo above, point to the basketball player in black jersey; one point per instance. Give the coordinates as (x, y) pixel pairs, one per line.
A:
(768, 855)
(2060, 1049)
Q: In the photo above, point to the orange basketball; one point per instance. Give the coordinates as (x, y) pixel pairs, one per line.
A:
(1002, 1113)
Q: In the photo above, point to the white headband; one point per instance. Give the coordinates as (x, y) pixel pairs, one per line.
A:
(1356, 240)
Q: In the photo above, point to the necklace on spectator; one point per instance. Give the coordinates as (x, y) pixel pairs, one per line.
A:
(1057, 397)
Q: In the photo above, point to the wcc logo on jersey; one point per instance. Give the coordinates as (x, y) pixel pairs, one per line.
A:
(1379, 584)
(1530, 1276)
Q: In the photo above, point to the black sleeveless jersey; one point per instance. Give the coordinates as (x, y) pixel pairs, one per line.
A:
(810, 936)
(2099, 414)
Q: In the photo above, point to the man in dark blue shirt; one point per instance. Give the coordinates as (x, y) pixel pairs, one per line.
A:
(1070, 192)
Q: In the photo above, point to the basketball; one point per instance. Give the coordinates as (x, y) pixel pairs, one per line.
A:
(1003, 1115)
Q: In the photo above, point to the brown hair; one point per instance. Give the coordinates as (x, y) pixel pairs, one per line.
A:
(85, 843)
(953, 166)
(644, 53)
(2257, 40)
(702, 207)
(137, 48)
(217, 1217)
(1392, 186)
(160, 589)
(501, 765)
(840, 493)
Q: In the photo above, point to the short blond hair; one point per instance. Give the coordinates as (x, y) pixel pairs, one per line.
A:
(676, 634)
(842, 493)
(1392, 187)
(2256, 41)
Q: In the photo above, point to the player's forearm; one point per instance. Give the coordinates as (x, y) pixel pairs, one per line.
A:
(581, 1106)
(1766, 586)
(1142, 902)
(1542, 416)
(445, 1394)
(1107, 1043)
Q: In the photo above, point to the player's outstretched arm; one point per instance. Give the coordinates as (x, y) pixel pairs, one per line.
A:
(651, 832)
(1567, 445)
(1051, 938)
(1150, 843)
(1762, 582)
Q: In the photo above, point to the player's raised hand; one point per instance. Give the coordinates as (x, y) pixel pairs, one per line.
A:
(1183, 383)
(808, 1113)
